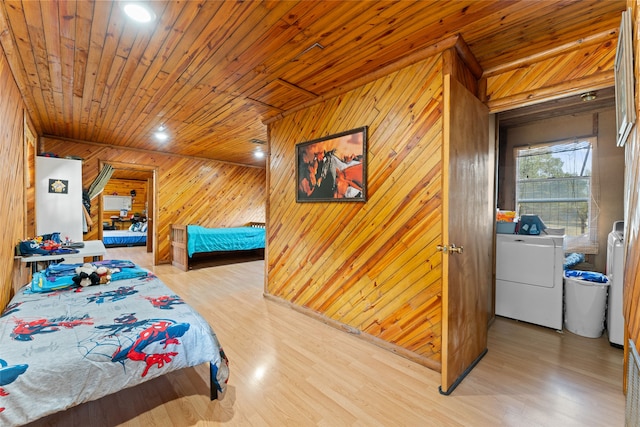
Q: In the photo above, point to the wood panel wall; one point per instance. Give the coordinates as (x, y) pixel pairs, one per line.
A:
(586, 64)
(632, 214)
(123, 187)
(31, 150)
(12, 177)
(369, 267)
(189, 190)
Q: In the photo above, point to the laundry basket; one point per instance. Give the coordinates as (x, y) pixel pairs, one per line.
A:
(585, 305)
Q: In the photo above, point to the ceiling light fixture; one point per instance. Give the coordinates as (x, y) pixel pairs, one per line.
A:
(259, 154)
(161, 136)
(588, 96)
(139, 12)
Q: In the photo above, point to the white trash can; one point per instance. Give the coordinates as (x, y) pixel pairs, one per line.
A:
(585, 303)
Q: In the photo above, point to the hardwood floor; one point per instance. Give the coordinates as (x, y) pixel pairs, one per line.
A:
(290, 370)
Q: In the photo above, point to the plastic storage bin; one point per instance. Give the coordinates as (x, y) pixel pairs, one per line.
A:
(585, 305)
(505, 227)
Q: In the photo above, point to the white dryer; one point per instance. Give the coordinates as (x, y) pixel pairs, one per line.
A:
(529, 278)
(615, 272)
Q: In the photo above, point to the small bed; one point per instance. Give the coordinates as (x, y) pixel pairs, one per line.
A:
(115, 238)
(189, 241)
(73, 345)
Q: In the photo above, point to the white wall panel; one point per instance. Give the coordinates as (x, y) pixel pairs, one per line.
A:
(59, 211)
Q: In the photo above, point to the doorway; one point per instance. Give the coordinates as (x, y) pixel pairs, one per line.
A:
(137, 184)
(569, 119)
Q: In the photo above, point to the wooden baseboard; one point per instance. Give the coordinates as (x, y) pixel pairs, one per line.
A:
(436, 366)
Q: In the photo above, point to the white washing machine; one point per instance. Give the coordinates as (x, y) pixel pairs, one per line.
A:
(529, 278)
(615, 272)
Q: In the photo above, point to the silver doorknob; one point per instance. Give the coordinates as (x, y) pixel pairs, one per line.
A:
(456, 249)
(452, 248)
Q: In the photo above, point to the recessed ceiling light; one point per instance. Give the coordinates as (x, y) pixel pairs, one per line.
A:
(259, 154)
(161, 136)
(589, 96)
(138, 12)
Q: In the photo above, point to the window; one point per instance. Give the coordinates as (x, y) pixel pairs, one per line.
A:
(554, 181)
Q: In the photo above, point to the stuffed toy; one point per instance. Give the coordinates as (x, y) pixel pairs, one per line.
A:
(105, 274)
(86, 275)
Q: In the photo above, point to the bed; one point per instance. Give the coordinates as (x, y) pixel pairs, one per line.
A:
(76, 344)
(187, 241)
(115, 238)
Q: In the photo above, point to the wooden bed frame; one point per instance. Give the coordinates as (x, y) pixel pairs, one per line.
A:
(179, 239)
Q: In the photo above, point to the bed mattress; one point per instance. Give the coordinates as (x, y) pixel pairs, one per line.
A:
(62, 348)
(202, 239)
(112, 238)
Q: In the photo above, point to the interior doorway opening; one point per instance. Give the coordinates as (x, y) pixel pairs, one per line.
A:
(137, 185)
(568, 119)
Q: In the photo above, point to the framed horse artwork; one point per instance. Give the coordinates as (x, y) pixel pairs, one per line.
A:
(333, 168)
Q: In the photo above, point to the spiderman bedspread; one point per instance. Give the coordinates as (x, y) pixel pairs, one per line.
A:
(62, 348)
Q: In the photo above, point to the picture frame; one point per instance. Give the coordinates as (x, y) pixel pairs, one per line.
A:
(624, 81)
(58, 186)
(333, 168)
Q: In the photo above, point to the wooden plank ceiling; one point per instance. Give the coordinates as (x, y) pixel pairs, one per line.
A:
(213, 71)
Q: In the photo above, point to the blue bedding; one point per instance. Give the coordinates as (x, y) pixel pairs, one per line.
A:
(62, 348)
(112, 238)
(202, 239)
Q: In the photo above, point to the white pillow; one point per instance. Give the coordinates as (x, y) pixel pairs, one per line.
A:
(144, 227)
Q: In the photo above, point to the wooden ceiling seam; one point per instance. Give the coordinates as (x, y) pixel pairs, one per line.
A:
(257, 101)
(162, 153)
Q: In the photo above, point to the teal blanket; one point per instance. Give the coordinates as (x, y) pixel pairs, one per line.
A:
(202, 239)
